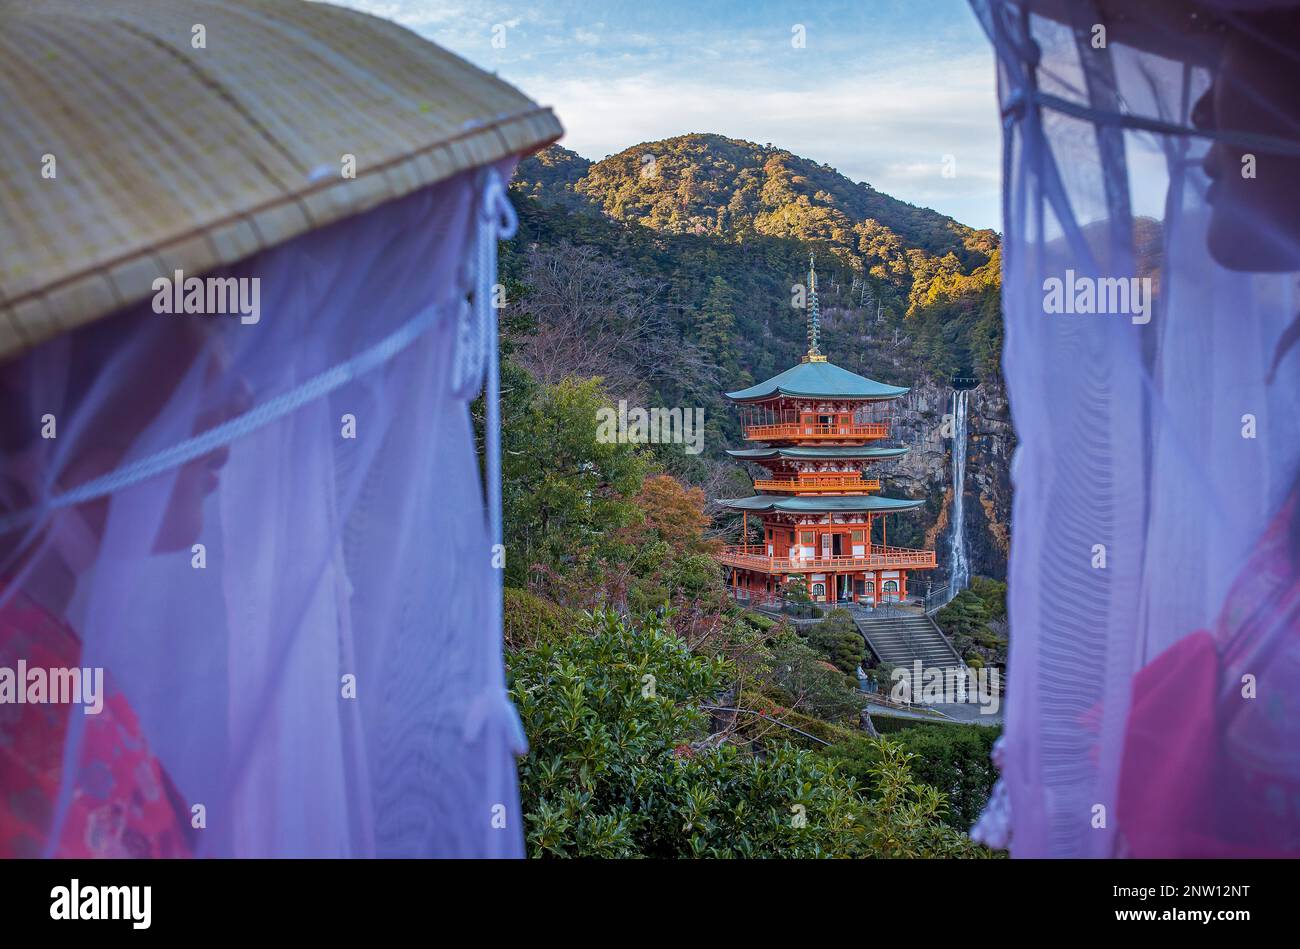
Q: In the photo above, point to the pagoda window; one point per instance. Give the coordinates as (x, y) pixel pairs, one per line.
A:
(807, 538)
(819, 589)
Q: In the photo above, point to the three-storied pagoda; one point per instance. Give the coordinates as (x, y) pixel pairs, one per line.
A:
(818, 510)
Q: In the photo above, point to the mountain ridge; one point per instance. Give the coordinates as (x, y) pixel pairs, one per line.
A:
(707, 183)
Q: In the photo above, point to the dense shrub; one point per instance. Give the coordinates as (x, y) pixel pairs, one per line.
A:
(954, 759)
(798, 675)
(621, 765)
(763, 624)
(839, 639)
(530, 619)
(975, 621)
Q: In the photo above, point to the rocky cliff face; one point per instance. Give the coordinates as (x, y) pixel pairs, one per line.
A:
(924, 424)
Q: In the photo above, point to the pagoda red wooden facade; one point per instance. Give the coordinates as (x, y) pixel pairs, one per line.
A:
(818, 509)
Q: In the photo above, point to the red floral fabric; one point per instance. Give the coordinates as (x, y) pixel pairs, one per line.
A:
(1210, 766)
(122, 805)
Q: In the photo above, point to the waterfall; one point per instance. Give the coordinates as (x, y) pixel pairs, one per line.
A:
(959, 562)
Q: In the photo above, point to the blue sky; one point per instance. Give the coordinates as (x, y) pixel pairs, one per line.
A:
(882, 90)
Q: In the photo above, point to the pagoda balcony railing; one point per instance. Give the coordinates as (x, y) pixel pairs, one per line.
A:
(815, 483)
(800, 430)
(755, 557)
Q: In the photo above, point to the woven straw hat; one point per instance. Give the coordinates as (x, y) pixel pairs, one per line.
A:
(170, 157)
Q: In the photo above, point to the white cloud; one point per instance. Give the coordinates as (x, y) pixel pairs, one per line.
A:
(878, 106)
(891, 131)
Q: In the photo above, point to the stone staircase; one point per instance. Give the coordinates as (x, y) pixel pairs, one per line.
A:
(899, 637)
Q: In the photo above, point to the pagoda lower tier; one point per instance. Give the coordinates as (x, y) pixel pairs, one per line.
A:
(827, 541)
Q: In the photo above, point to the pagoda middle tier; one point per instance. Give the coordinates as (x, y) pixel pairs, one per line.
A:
(816, 469)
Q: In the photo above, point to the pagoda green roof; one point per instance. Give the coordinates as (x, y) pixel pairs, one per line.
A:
(820, 504)
(814, 453)
(819, 380)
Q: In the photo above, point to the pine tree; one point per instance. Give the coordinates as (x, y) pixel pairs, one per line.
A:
(718, 327)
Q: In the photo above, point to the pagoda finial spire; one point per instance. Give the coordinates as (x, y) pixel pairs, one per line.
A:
(814, 316)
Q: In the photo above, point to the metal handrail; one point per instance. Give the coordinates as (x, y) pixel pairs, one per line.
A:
(938, 599)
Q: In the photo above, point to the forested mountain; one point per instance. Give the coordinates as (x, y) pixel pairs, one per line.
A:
(670, 271)
(708, 184)
(887, 269)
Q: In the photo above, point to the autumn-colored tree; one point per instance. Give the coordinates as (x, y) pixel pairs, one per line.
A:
(670, 556)
(674, 514)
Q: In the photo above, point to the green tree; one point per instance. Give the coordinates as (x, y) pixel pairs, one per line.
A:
(717, 331)
(965, 617)
(975, 621)
(993, 594)
(796, 590)
(566, 492)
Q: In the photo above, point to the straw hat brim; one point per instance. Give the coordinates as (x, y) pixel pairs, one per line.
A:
(131, 150)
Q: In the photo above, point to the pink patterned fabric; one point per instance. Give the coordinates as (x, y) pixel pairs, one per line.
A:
(123, 804)
(1214, 727)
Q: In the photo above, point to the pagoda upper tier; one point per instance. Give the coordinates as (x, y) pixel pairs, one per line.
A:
(814, 403)
(819, 379)
(812, 418)
(816, 453)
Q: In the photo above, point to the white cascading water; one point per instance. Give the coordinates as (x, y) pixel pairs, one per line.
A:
(959, 562)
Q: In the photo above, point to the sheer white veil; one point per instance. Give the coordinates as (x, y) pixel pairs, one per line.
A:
(323, 676)
(1153, 563)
